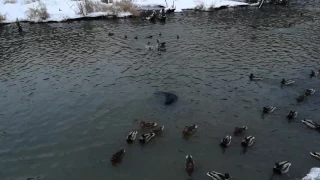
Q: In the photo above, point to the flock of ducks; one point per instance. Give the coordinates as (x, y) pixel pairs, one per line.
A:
(154, 129)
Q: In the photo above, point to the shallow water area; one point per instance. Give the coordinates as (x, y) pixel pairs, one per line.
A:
(70, 94)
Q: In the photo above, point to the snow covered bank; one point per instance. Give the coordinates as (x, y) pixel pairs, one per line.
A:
(61, 10)
(314, 174)
(56, 10)
(191, 4)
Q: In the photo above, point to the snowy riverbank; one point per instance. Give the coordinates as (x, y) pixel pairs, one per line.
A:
(61, 10)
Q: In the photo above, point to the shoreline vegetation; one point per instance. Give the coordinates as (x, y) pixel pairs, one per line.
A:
(51, 11)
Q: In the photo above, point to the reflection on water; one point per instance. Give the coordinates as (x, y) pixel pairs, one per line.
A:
(70, 93)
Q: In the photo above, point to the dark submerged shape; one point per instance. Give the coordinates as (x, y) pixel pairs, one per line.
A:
(170, 98)
(110, 34)
(118, 156)
(239, 130)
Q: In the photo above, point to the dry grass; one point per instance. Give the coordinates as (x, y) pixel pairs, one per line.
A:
(30, 1)
(88, 6)
(9, 1)
(38, 13)
(2, 17)
(128, 6)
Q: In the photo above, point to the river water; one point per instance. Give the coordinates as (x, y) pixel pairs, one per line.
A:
(70, 93)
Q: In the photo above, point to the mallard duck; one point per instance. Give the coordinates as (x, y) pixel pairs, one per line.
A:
(282, 167)
(248, 141)
(110, 34)
(131, 137)
(158, 130)
(301, 98)
(146, 137)
(162, 44)
(314, 73)
(148, 124)
(310, 92)
(225, 142)
(269, 109)
(239, 130)
(188, 130)
(190, 164)
(292, 115)
(218, 176)
(254, 78)
(315, 154)
(310, 124)
(117, 157)
(287, 81)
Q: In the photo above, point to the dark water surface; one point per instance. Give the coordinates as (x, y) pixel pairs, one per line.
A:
(70, 93)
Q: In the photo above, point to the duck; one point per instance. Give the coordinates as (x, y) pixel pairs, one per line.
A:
(301, 98)
(131, 137)
(248, 141)
(160, 34)
(190, 164)
(178, 36)
(315, 154)
(148, 124)
(158, 130)
(117, 157)
(225, 142)
(254, 78)
(150, 37)
(146, 137)
(189, 130)
(125, 36)
(287, 81)
(218, 176)
(311, 124)
(292, 115)
(268, 109)
(110, 34)
(310, 92)
(136, 37)
(239, 130)
(282, 167)
(314, 73)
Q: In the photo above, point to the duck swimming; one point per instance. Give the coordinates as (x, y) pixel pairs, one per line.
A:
(239, 130)
(314, 73)
(110, 34)
(178, 36)
(136, 37)
(254, 78)
(292, 115)
(268, 109)
(248, 141)
(301, 98)
(189, 130)
(190, 164)
(315, 154)
(287, 82)
(218, 176)
(225, 142)
(311, 124)
(158, 130)
(148, 124)
(310, 92)
(282, 167)
(131, 137)
(125, 36)
(117, 157)
(146, 137)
